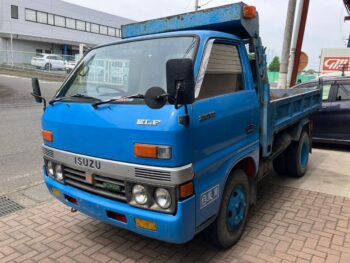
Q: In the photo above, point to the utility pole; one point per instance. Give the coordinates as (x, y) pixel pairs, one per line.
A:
(294, 44)
(196, 7)
(282, 81)
(300, 37)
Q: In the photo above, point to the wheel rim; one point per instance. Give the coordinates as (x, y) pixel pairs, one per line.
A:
(236, 208)
(304, 154)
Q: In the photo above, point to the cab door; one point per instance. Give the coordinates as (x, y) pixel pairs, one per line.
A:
(224, 119)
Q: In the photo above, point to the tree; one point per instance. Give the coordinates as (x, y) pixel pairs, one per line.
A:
(310, 71)
(275, 65)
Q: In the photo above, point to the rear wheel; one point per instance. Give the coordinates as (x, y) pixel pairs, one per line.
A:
(298, 156)
(279, 164)
(230, 222)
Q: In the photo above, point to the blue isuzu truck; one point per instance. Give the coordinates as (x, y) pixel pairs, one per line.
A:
(167, 132)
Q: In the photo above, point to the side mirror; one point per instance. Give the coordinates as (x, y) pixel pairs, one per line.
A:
(180, 81)
(155, 98)
(36, 90)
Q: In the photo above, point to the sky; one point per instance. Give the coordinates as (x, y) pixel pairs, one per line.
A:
(325, 26)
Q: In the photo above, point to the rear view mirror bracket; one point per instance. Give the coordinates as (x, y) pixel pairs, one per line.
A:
(37, 92)
(39, 97)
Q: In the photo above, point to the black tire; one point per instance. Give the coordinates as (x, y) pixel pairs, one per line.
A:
(298, 156)
(48, 66)
(279, 164)
(221, 232)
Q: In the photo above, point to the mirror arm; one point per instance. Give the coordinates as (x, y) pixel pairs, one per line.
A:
(178, 87)
(37, 96)
(185, 119)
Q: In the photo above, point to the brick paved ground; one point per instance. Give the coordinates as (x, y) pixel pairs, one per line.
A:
(288, 225)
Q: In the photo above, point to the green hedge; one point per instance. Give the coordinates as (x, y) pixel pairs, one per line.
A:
(273, 77)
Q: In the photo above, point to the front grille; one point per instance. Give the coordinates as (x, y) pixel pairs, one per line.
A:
(152, 174)
(95, 183)
(48, 152)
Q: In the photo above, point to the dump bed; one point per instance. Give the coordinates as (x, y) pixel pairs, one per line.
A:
(228, 19)
(286, 108)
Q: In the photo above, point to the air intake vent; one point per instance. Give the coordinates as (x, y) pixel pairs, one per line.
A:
(48, 153)
(151, 174)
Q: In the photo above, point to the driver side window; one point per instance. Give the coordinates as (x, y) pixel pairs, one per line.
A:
(224, 72)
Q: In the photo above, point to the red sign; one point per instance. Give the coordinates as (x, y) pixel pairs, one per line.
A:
(335, 63)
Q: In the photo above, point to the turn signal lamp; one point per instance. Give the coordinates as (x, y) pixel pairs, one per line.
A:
(249, 11)
(47, 136)
(186, 190)
(152, 151)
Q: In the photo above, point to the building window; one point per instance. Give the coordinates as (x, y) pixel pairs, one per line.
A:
(118, 32)
(88, 25)
(50, 19)
(14, 11)
(60, 21)
(41, 17)
(111, 31)
(47, 51)
(103, 30)
(80, 25)
(30, 15)
(70, 23)
(95, 28)
(38, 51)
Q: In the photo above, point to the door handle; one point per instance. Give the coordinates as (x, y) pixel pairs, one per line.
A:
(250, 128)
(207, 116)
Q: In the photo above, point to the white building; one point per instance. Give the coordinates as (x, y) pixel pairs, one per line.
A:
(52, 26)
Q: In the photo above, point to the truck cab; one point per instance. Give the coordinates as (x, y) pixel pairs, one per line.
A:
(163, 133)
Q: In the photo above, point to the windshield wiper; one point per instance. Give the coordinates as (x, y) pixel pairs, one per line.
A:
(135, 96)
(73, 96)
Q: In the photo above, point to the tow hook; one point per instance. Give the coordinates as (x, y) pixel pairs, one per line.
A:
(73, 210)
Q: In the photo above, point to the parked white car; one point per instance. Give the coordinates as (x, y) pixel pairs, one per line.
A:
(48, 62)
(70, 65)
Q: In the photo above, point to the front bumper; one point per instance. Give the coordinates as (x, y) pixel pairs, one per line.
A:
(178, 228)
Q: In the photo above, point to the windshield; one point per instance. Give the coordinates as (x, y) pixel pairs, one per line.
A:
(127, 69)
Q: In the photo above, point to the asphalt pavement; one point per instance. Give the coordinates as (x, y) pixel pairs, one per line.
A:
(20, 138)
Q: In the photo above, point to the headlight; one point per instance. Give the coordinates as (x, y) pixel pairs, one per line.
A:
(58, 172)
(163, 198)
(139, 193)
(50, 169)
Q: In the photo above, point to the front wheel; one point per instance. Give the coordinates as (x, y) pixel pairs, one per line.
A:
(228, 227)
(48, 66)
(298, 156)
